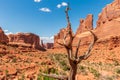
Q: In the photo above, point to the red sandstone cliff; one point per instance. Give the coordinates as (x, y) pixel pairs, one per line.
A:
(110, 12)
(108, 23)
(28, 39)
(3, 37)
(85, 24)
(60, 36)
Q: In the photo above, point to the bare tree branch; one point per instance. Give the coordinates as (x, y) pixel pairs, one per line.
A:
(66, 11)
(87, 54)
(60, 43)
(60, 77)
(77, 49)
(64, 39)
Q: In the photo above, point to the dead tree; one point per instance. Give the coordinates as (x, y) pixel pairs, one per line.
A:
(73, 58)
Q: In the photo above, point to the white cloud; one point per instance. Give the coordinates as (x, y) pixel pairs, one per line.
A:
(52, 37)
(59, 6)
(47, 39)
(37, 0)
(5, 31)
(45, 9)
(63, 4)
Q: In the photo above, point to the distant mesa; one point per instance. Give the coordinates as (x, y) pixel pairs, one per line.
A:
(46, 45)
(26, 39)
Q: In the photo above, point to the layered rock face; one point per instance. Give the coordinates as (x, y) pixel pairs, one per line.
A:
(85, 24)
(108, 23)
(30, 39)
(110, 12)
(3, 37)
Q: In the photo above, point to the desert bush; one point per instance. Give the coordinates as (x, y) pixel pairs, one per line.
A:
(61, 59)
(116, 63)
(44, 78)
(118, 70)
(94, 72)
(48, 71)
(82, 68)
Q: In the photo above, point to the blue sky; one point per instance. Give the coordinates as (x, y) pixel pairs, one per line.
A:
(45, 17)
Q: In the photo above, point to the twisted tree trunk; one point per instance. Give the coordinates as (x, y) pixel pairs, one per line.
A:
(73, 72)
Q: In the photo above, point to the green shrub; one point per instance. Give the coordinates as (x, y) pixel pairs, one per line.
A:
(94, 72)
(118, 70)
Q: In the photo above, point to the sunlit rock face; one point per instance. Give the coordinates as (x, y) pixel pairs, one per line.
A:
(109, 13)
(85, 24)
(25, 38)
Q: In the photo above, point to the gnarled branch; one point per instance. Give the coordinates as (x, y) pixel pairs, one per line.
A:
(77, 49)
(60, 43)
(87, 54)
(66, 11)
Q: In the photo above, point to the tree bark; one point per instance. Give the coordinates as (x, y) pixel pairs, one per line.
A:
(73, 70)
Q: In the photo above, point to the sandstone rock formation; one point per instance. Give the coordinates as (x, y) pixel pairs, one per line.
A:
(48, 45)
(3, 37)
(85, 24)
(28, 39)
(108, 25)
(110, 12)
(59, 37)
